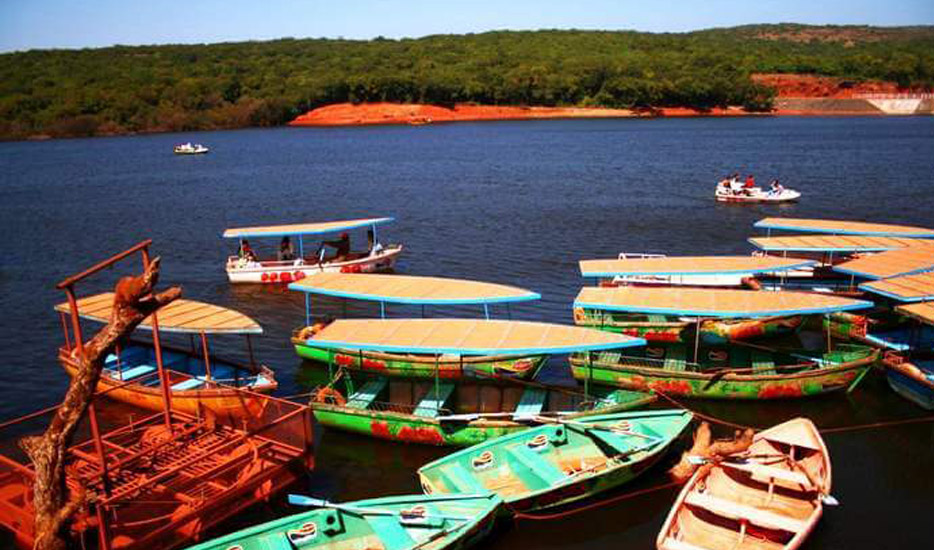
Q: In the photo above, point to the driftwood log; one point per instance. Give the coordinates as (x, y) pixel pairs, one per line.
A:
(707, 448)
(134, 300)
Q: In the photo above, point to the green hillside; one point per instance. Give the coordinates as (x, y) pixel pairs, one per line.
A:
(186, 87)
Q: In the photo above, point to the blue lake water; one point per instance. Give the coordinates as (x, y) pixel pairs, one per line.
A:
(511, 202)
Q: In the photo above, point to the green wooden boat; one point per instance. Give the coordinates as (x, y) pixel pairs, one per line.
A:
(729, 373)
(462, 414)
(412, 365)
(559, 463)
(390, 523)
(411, 290)
(674, 329)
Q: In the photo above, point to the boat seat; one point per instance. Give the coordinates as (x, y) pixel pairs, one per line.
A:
(455, 475)
(675, 544)
(736, 511)
(134, 372)
(390, 532)
(432, 403)
(620, 443)
(531, 403)
(657, 319)
(675, 359)
(535, 464)
(762, 363)
(770, 472)
(364, 397)
(609, 358)
(189, 384)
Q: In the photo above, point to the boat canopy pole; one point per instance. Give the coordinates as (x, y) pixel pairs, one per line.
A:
(307, 309)
(382, 310)
(697, 338)
(301, 246)
(486, 311)
(157, 347)
(437, 382)
(207, 356)
(827, 317)
(249, 349)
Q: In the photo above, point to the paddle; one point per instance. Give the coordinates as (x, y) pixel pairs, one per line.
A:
(302, 500)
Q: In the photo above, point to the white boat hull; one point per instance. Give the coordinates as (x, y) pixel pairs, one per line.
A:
(276, 272)
(756, 195)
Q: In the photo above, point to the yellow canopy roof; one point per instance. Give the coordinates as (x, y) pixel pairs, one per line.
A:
(186, 316)
(465, 336)
(830, 243)
(891, 263)
(302, 228)
(689, 265)
(841, 227)
(408, 289)
(907, 288)
(922, 311)
(705, 302)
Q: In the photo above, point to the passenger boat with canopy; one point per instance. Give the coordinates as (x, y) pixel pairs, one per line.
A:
(407, 290)
(440, 412)
(714, 316)
(842, 227)
(288, 266)
(702, 271)
(197, 379)
(769, 497)
(560, 462)
(895, 276)
(911, 373)
(739, 370)
(391, 523)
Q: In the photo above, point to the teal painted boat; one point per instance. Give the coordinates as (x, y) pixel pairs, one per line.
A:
(559, 463)
(391, 523)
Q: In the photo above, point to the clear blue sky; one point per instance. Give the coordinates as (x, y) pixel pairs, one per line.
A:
(27, 24)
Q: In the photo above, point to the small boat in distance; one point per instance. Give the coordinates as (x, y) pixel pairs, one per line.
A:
(399, 522)
(190, 149)
(769, 497)
(735, 191)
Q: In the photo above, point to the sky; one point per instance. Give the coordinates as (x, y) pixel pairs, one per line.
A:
(30, 24)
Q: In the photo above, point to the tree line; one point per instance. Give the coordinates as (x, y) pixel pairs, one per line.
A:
(126, 89)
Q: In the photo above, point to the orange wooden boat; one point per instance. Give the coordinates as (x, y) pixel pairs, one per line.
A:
(769, 497)
(196, 378)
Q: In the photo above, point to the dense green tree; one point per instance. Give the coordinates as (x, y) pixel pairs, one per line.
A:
(181, 87)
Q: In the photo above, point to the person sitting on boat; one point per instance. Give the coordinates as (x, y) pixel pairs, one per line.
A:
(246, 252)
(341, 247)
(373, 245)
(286, 253)
(735, 185)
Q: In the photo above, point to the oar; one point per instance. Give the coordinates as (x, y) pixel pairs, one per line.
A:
(302, 500)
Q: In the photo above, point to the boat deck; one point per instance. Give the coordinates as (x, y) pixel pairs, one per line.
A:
(163, 486)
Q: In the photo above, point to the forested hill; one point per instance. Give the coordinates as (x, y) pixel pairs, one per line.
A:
(180, 87)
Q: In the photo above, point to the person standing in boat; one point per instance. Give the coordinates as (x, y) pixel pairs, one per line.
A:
(373, 245)
(286, 253)
(341, 247)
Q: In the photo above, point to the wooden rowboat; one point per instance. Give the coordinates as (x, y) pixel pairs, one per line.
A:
(388, 523)
(769, 497)
(561, 462)
(196, 378)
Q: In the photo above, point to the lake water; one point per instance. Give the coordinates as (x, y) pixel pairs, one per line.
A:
(513, 202)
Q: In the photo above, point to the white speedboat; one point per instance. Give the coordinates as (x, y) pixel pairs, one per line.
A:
(190, 149)
(727, 193)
